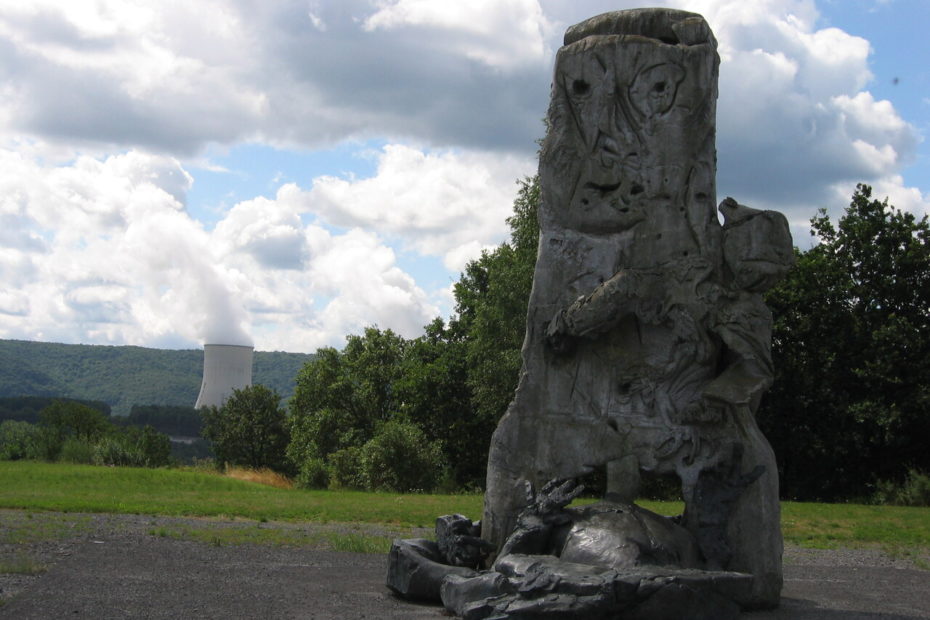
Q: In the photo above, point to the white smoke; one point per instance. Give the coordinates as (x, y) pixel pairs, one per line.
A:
(103, 251)
(113, 257)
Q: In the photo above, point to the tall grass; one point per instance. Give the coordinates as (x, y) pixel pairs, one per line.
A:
(261, 476)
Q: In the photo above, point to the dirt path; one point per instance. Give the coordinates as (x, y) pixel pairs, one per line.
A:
(130, 566)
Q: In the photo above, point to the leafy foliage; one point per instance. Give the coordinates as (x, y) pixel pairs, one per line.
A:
(913, 491)
(27, 408)
(345, 469)
(435, 396)
(133, 447)
(851, 345)
(249, 429)
(313, 474)
(169, 419)
(341, 397)
(400, 458)
(66, 422)
(491, 303)
(74, 433)
(18, 440)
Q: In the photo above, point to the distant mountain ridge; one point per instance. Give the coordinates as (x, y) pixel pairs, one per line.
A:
(123, 376)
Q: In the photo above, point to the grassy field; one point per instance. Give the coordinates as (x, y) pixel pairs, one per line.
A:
(173, 492)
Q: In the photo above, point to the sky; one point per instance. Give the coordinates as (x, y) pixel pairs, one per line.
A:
(287, 173)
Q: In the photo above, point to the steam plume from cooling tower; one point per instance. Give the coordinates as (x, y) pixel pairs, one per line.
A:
(226, 368)
(224, 317)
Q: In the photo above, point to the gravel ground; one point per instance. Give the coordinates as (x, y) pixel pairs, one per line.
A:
(137, 566)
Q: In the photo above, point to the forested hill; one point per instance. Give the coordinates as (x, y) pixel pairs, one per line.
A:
(125, 376)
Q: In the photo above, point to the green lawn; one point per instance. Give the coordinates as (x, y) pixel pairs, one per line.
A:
(86, 488)
(173, 492)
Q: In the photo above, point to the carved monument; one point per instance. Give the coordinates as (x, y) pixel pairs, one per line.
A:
(647, 349)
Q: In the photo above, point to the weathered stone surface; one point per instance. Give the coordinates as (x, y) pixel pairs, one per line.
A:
(416, 569)
(459, 541)
(460, 593)
(540, 586)
(647, 344)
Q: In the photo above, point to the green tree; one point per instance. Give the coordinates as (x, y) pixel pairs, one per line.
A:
(491, 302)
(249, 429)
(169, 419)
(435, 395)
(400, 458)
(64, 420)
(851, 345)
(18, 440)
(342, 396)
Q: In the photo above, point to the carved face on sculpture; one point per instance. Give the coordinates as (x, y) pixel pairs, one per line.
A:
(625, 112)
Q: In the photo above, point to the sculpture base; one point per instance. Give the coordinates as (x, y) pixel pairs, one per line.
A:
(617, 561)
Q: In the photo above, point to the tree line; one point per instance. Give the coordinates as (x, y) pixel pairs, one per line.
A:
(849, 412)
(847, 416)
(72, 432)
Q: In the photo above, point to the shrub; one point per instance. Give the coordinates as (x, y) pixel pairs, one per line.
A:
(249, 430)
(318, 433)
(78, 451)
(72, 419)
(18, 440)
(116, 450)
(48, 444)
(133, 447)
(313, 474)
(345, 469)
(64, 420)
(913, 491)
(400, 458)
(154, 446)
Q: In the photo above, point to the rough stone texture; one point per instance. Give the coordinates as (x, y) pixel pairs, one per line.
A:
(459, 541)
(647, 344)
(463, 595)
(605, 560)
(416, 569)
(541, 586)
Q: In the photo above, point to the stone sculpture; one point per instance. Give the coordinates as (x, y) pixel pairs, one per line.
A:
(648, 344)
(611, 559)
(647, 350)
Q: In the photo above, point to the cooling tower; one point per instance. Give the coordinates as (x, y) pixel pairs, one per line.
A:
(226, 367)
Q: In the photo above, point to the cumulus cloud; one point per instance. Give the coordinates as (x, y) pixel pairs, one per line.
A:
(127, 74)
(498, 33)
(178, 77)
(112, 253)
(448, 204)
(795, 115)
(270, 231)
(104, 251)
(794, 121)
(102, 105)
